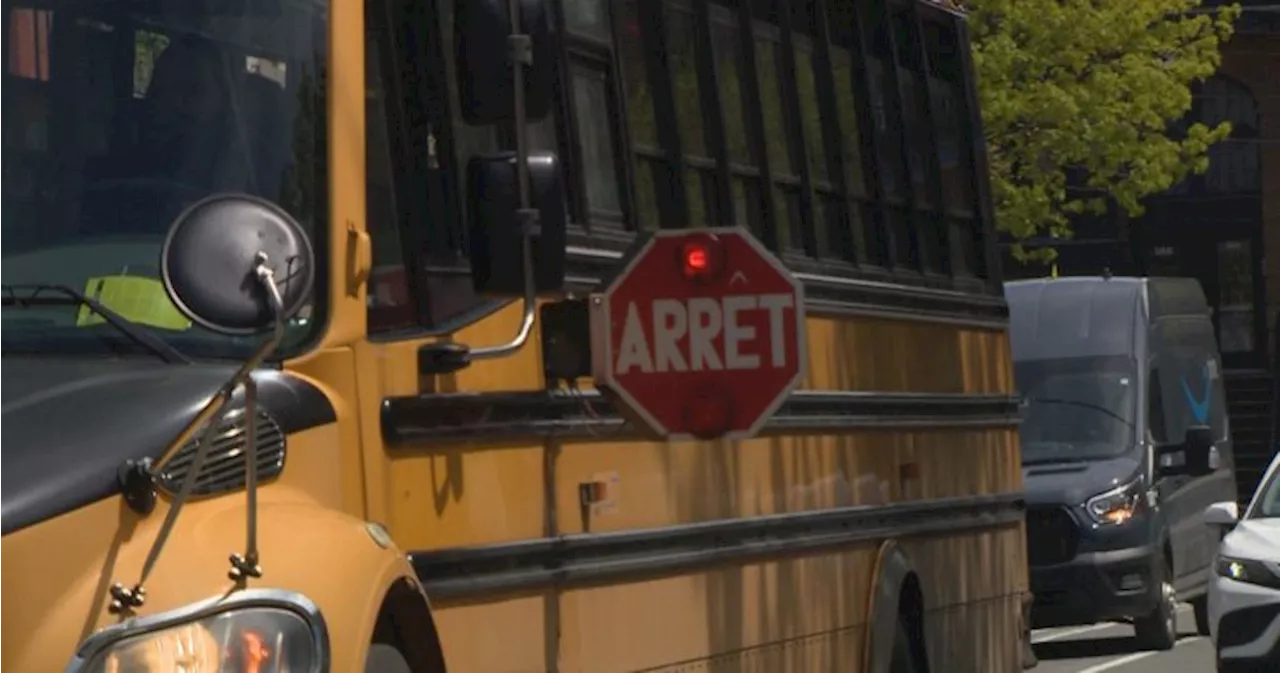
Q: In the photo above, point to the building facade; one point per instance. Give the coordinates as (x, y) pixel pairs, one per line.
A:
(1222, 227)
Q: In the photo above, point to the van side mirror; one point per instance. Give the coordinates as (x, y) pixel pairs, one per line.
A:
(1193, 457)
(495, 228)
(483, 55)
(1222, 515)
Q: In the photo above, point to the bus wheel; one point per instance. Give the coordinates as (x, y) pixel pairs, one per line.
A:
(385, 659)
(904, 657)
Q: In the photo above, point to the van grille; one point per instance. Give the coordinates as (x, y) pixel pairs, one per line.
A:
(1052, 536)
(224, 464)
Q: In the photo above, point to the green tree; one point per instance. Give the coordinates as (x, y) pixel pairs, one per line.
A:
(1090, 87)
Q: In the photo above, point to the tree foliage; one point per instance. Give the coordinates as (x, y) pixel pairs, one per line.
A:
(1081, 94)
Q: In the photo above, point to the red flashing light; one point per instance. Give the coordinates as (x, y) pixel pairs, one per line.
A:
(700, 260)
(695, 258)
(708, 413)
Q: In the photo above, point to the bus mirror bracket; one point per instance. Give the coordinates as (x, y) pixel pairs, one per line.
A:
(248, 235)
(499, 227)
(487, 85)
(516, 213)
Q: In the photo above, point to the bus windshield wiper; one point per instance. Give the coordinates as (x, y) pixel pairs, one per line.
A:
(1082, 404)
(71, 297)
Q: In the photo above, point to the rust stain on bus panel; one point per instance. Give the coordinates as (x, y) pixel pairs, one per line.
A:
(798, 614)
(681, 483)
(905, 356)
(973, 589)
(808, 608)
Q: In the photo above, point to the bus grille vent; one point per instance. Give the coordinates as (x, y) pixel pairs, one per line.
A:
(224, 465)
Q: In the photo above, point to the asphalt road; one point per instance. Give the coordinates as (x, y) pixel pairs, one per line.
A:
(1111, 647)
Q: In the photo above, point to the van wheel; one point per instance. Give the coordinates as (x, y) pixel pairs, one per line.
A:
(1200, 606)
(385, 659)
(904, 658)
(1158, 630)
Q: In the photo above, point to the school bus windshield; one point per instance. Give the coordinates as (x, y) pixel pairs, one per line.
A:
(118, 116)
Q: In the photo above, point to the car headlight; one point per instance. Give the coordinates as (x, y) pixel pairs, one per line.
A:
(1118, 505)
(259, 632)
(1246, 570)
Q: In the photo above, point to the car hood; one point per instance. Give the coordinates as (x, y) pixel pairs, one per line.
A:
(1254, 539)
(1072, 483)
(68, 425)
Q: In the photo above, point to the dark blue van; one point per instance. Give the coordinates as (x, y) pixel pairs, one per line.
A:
(1122, 391)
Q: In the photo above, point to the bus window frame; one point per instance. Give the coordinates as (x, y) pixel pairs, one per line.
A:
(962, 262)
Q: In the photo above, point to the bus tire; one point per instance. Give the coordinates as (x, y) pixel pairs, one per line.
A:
(904, 656)
(385, 659)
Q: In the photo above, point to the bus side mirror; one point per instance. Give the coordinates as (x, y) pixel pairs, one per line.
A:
(237, 264)
(496, 231)
(483, 56)
(1193, 457)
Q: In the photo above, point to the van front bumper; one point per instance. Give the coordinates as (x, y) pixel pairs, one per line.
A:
(1095, 587)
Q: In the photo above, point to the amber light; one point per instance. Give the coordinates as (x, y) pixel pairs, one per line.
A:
(254, 653)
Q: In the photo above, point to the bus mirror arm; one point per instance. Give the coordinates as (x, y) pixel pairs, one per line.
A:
(222, 232)
(529, 218)
(446, 357)
(529, 230)
(243, 566)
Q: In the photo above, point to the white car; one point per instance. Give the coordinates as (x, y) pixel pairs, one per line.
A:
(1244, 590)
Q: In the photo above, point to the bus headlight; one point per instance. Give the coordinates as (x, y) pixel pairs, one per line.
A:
(1118, 505)
(281, 635)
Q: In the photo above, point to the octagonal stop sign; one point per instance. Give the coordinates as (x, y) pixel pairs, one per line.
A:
(701, 334)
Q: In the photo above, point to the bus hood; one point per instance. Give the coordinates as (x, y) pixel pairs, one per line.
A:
(70, 424)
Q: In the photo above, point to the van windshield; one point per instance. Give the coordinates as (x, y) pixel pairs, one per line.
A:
(121, 113)
(1076, 408)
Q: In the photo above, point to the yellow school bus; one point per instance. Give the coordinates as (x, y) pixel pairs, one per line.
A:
(298, 365)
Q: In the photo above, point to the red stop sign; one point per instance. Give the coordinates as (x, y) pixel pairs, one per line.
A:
(701, 335)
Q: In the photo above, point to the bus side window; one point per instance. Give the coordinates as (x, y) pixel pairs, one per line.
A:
(650, 170)
(390, 302)
(955, 152)
(596, 175)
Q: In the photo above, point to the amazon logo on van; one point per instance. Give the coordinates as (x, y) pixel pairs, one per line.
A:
(1200, 405)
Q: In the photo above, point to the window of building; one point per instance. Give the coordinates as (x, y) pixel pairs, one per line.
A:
(1235, 163)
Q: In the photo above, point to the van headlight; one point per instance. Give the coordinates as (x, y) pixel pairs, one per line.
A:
(1118, 505)
(255, 631)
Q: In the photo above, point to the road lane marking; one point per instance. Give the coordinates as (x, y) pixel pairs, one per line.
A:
(1036, 640)
(1130, 658)
(1075, 631)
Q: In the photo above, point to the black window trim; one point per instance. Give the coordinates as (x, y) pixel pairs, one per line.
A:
(873, 258)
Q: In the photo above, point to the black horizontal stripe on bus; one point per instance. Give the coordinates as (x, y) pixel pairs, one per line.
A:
(887, 294)
(514, 416)
(584, 559)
